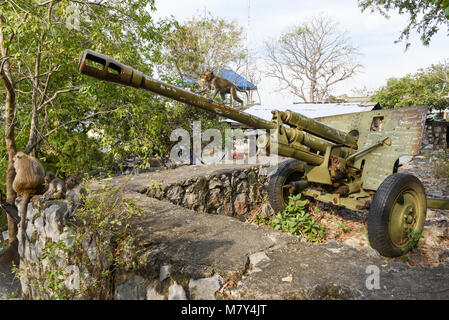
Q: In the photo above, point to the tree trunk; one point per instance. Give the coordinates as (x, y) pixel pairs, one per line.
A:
(10, 105)
(11, 173)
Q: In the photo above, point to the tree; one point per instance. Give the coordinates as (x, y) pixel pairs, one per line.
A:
(44, 94)
(202, 41)
(311, 58)
(426, 16)
(428, 87)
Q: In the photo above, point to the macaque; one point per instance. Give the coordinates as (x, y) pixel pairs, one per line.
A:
(75, 193)
(28, 181)
(56, 187)
(221, 86)
(71, 182)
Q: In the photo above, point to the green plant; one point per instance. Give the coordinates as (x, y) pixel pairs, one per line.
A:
(414, 237)
(262, 220)
(296, 220)
(364, 235)
(344, 227)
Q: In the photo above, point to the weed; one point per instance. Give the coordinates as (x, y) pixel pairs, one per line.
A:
(262, 220)
(344, 227)
(414, 237)
(296, 220)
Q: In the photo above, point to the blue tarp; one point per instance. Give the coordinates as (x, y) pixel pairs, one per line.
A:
(230, 75)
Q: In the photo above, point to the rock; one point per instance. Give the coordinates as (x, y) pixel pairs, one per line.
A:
(55, 218)
(73, 277)
(225, 209)
(353, 242)
(241, 204)
(242, 187)
(133, 289)
(243, 175)
(214, 183)
(30, 229)
(176, 292)
(205, 288)
(175, 194)
(164, 273)
(258, 257)
(68, 236)
(190, 200)
(444, 255)
(215, 198)
(266, 210)
(153, 295)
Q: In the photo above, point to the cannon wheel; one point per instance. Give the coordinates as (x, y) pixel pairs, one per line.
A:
(288, 171)
(399, 205)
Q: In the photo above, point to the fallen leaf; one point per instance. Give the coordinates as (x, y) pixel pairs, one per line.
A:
(288, 279)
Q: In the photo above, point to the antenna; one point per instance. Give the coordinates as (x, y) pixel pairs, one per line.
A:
(247, 40)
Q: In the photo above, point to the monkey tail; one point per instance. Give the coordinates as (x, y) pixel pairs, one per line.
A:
(23, 218)
(242, 90)
(23, 210)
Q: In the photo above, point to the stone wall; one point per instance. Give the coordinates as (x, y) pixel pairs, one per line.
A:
(235, 192)
(47, 222)
(434, 137)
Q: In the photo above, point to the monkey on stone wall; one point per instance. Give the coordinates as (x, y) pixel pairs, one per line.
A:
(29, 180)
(56, 187)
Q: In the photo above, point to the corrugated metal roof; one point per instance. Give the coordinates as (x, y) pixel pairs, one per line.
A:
(237, 79)
(228, 74)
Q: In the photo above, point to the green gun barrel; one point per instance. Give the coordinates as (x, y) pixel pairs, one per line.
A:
(319, 129)
(114, 71)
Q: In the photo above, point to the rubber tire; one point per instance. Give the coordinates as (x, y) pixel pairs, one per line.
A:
(380, 210)
(288, 170)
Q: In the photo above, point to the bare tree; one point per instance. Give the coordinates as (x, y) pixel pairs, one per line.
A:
(248, 66)
(310, 58)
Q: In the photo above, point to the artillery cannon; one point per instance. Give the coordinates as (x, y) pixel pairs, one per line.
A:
(349, 160)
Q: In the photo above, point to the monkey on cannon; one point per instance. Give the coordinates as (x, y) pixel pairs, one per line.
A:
(222, 86)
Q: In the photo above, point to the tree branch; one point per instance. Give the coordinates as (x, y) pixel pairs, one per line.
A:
(56, 94)
(49, 133)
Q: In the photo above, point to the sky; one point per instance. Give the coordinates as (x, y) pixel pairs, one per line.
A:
(371, 33)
